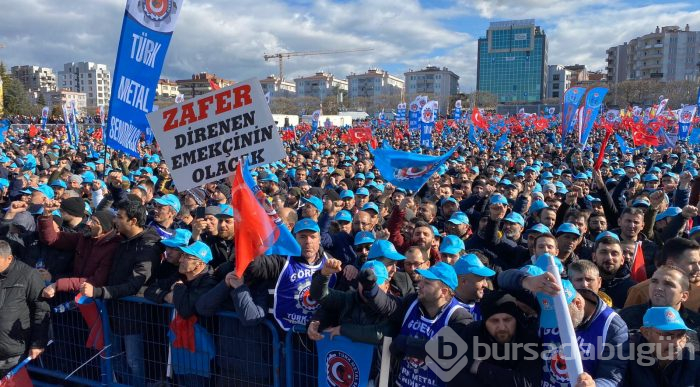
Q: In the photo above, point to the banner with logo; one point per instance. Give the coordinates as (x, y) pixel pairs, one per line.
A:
(146, 32)
(202, 138)
(342, 362)
(427, 124)
(44, 117)
(685, 118)
(414, 116)
(401, 112)
(594, 101)
(458, 110)
(572, 100)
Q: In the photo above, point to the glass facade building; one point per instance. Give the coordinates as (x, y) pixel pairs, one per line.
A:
(512, 61)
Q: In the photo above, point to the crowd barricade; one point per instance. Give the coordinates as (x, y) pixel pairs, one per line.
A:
(301, 365)
(137, 349)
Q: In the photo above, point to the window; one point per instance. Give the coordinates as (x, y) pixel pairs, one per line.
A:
(555, 77)
(555, 94)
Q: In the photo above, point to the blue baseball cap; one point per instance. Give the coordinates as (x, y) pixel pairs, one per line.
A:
(498, 199)
(379, 270)
(59, 183)
(548, 318)
(538, 228)
(440, 272)
(384, 249)
(362, 191)
(569, 228)
(198, 249)
(641, 202)
(649, 178)
(343, 216)
(664, 318)
(314, 201)
(670, 212)
(169, 200)
(459, 217)
(347, 194)
(44, 189)
(270, 177)
(180, 238)
(359, 176)
(225, 211)
(451, 244)
(4, 183)
(537, 206)
(471, 264)
(306, 224)
(363, 237)
(515, 217)
(370, 206)
(605, 234)
(88, 177)
(436, 233)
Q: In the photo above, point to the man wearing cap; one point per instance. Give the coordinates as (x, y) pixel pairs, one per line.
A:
(505, 328)
(347, 313)
(166, 209)
(222, 244)
(680, 252)
(420, 317)
(168, 271)
(313, 206)
(385, 252)
(592, 320)
(73, 214)
(568, 238)
(472, 277)
(451, 248)
(458, 225)
(339, 244)
(92, 252)
(672, 362)
(289, 278)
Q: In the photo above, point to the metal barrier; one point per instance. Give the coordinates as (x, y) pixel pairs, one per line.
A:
(138, 352)
(301, 365)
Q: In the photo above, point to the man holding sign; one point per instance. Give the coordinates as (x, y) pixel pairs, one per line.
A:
(600, 332)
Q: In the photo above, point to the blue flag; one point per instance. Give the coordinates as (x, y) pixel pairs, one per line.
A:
(342, 362)
(693, 139)
(501, 141)
(623, 146)
(572, 100)
(594, 100)
(407, 170)
(285, 244)
(4, 126)
(183, 359)
(146, 32)
(414, 116)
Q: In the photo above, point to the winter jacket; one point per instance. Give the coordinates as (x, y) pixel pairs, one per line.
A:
(24, 320)
(683, 372)
(92, 259)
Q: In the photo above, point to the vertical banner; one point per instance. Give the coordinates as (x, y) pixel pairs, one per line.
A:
(400, 112)
(458, 110)
(44, 117)
(414, 116)
(594, 101)
(146, 32)
(685, 118)
(572, 100)
(342, 362)
(427, 124)
(74, 121)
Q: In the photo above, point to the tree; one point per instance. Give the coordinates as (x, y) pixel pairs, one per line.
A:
(483, 99)
(16, 99)
(41, 101)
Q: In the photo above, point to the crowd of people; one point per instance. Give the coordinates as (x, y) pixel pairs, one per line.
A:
(470, 250)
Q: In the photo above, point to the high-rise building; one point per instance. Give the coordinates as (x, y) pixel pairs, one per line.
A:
(166, 89)
(199, 84)
(438, 84)
(559, 80)
(512, 61)
(667, 54)
(63, 97)
(375, 84)
(319, 85)
(93, 79)
(35, 78)
(278, 87)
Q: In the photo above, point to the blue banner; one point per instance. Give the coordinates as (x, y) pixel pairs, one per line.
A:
(572, 100)
(414, 117)
(594, 101)
(342, 362)
(458, 110)
(426, 134)
(44, 117)
(685, 119)
(407, 170)
(146, 32)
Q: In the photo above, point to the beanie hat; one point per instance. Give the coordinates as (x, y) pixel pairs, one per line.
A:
(224, 189)
(105, 218)
(74, 206)
(499, 302)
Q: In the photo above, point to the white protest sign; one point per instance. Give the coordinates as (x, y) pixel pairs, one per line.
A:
(202, 138)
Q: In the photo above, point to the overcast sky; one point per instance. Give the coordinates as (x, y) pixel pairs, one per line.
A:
(230, 37)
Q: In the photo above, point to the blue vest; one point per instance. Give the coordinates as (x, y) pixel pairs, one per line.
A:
(414, 372)
(590, 342)
(473, 308)
(292, 305)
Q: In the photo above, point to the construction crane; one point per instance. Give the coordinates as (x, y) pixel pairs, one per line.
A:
(280, 56)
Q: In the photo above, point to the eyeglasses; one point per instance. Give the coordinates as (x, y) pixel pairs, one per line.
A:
(413, 264)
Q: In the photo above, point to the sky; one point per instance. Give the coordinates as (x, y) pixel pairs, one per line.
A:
(230, 37)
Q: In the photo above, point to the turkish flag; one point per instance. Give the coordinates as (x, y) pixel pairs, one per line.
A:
(478, 119)
(641, 137)
(638, 272)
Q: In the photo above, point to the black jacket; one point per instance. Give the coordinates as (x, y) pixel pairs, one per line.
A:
(24, 315)
(132, 265)
(618, 286)
(683, 372)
